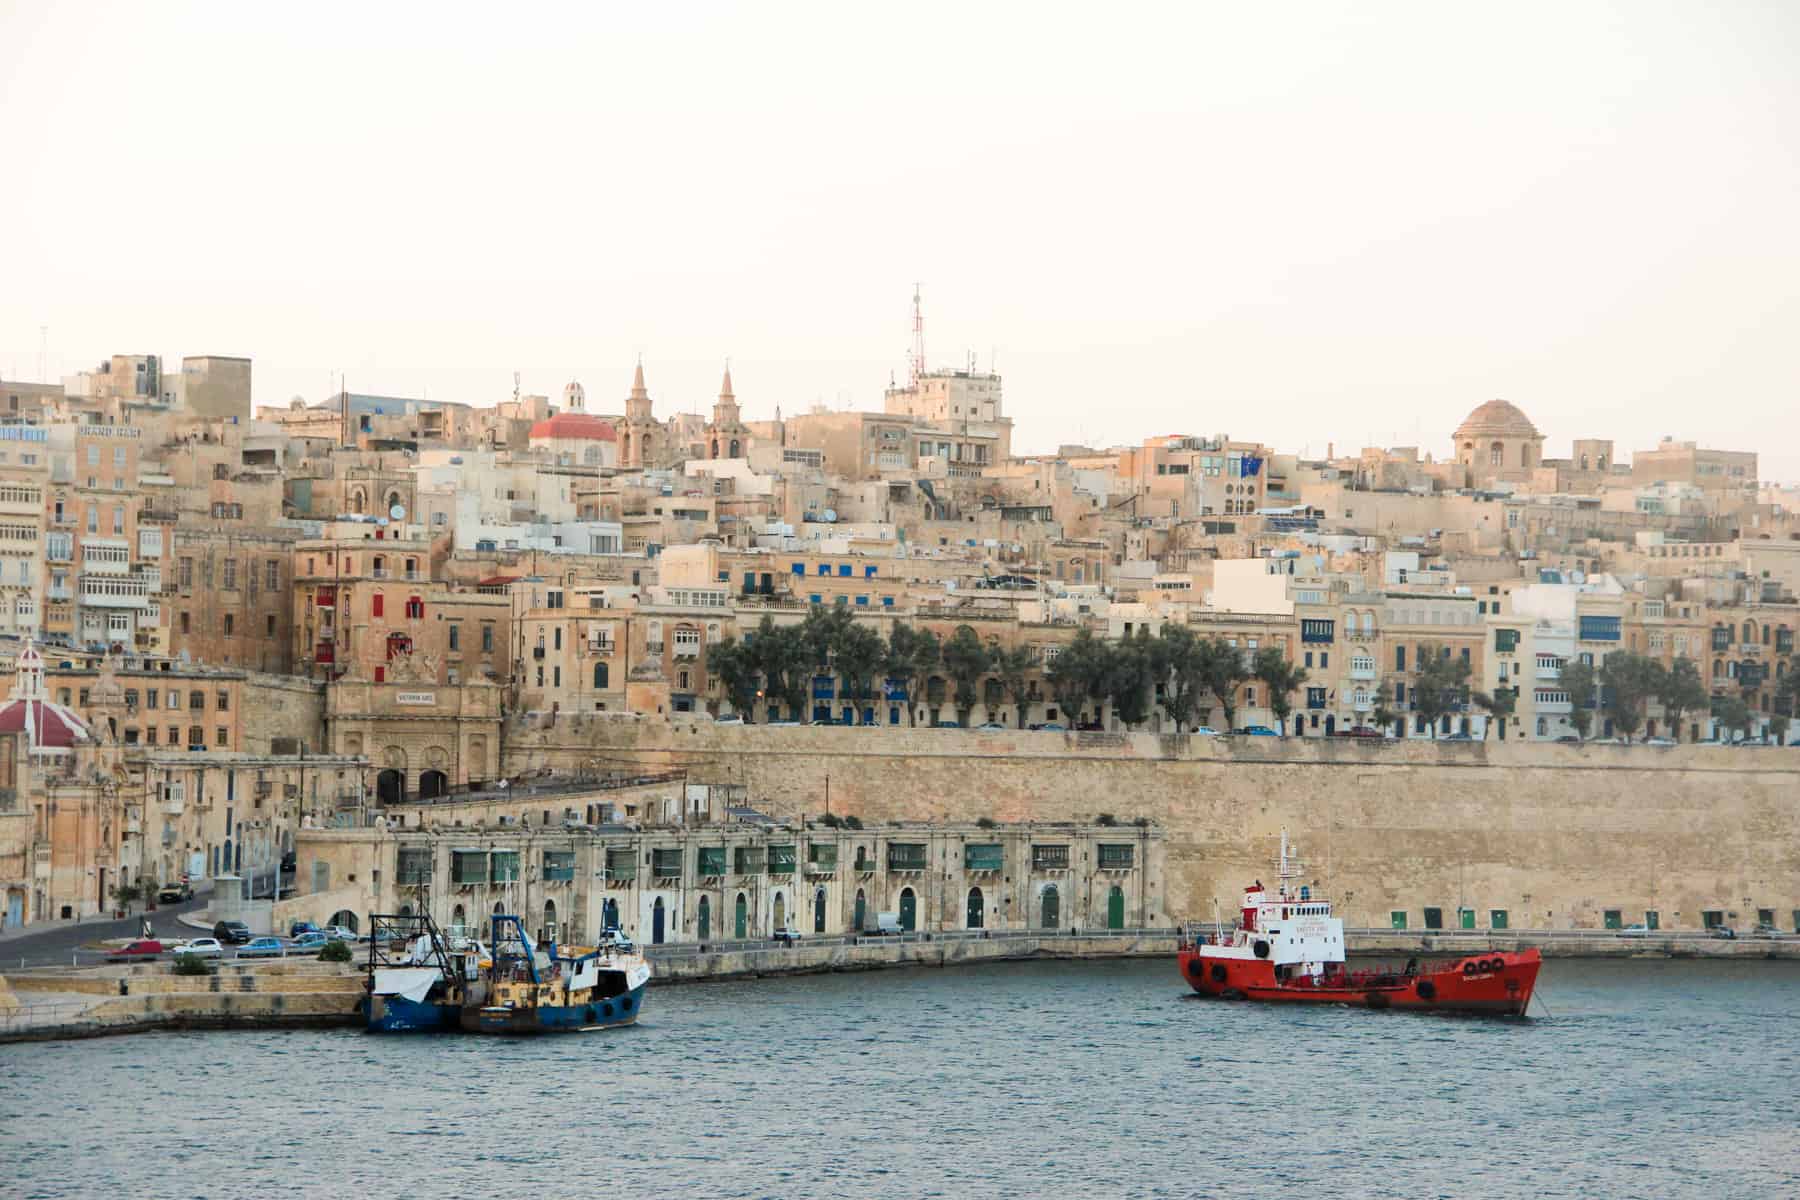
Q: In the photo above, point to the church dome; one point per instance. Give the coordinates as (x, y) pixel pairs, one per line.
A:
(49, 727)
(1497, 418)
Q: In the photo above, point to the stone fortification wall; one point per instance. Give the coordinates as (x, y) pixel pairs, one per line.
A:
(1552, 835)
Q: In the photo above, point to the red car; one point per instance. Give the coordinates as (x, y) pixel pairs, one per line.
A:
(135, 951)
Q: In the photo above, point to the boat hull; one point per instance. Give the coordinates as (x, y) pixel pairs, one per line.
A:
(1495, 983)
(397, 1014)
(622, 1009)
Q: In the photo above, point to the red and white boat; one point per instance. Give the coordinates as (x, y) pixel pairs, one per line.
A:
(1289, 948)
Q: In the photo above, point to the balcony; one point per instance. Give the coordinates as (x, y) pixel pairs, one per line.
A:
(1544, 672)
(166, 516)
(822, 860)
(172, 808)
(115, 592)
(1117, 858)
(1362, 672)
(1049, 858)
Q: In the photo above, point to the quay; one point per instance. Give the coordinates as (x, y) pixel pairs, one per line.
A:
(68, 1002)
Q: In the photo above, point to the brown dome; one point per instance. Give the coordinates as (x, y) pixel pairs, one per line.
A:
(1497, 418)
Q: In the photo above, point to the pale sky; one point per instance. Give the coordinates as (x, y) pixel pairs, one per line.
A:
(1304, 224)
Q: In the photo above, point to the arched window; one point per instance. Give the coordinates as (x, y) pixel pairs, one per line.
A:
(1496, 455)
(977, 909)
(909, 910)
(459, 915)
(549, 930)
(734, 447)
(1049, 908)
(704, 916)
(600, 675)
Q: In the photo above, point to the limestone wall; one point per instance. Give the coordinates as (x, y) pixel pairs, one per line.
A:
(1553, 835)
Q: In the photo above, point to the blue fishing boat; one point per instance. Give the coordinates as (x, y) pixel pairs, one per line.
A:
(528, 988)
(418, 977)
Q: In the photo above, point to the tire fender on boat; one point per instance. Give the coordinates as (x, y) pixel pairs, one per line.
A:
(1218, 973)
(1427, 990)
(1261, 949)
(1377, 999)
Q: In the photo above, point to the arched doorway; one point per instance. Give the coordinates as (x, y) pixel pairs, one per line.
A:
(780, 911)
(656, 922)
(909, 910)
(1049, 908)
(390, 787)
(609, 915)
(977, 908)
(459, 917)
(1299, 724)
(344, 919)
(704, 918)
(548, 932)
(819, 911)
(1330, 725)
(862, 910)
(743, 917)
(1115, 908)
(433, 783)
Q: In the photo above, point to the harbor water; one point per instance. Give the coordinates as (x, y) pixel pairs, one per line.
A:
(1073, 1079)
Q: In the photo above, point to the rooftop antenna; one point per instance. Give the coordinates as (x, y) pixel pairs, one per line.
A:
(918, 346)
(515, 387)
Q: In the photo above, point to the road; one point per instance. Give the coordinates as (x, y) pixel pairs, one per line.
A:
(54, 947)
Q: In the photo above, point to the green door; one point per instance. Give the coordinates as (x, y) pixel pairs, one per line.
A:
(909, 910)
(977, 908)
(1049, 909)
(862, 905)
(1468, 917)
(1115, 908)
(1652, 920)
(743, 917)
(705, 919)
(1497, 919)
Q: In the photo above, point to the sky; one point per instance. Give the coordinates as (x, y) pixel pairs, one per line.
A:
(1313, 225)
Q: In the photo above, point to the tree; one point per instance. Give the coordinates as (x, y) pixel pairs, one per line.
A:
(785, 660)
(1172, 662)
(1220, 666)
(1128, 679)
(1384, 715)
(1014, 667)
(1628, 681)
(906, 647)
(1787, 699)
(1579, 681)
(1442, 686)
(823, 629)
(1732, 715)
(1497, 705)
(858, 655)
(734, 665)
(966, 659)
(1078, 674)
(1281, 677)
(1680, 690)
(125, 895)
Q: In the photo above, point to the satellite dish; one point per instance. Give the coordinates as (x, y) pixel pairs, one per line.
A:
(398, 512)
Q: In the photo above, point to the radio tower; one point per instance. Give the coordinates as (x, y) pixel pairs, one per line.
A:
(918, 346)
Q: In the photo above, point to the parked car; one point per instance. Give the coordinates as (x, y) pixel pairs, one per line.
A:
(203, 948)
(313, 939)
(1257, 731)
(175, 893)
(301, 928)
(1051, 727)
(1659, 741)
(1724, 931)
(1764, 929)
(990, 727)
(887, 923)
(262, 947)
(141, 949)
(1204, 731)
(232, 933)
(339, 933)
(948, 725)
(1568, 739)
(1365, 731)
(1458, 737)
(733, 719)
(787, 935)
(1635, 931)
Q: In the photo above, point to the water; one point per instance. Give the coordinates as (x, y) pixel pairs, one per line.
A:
(1665, 1079)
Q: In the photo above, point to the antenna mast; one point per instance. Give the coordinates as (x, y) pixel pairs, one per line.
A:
(918, 346)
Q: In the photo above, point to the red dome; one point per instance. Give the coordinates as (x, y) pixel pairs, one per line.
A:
(52, 725)
(574, 425)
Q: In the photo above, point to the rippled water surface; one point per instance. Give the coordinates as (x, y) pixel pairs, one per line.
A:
(1071, 1079)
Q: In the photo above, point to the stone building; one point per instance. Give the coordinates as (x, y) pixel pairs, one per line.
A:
(421, 738)
(741, 880)
(1497, 443)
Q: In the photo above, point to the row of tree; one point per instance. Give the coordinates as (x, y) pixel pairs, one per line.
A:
(1624, 684)
(1176, 667)
(1188, 674)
